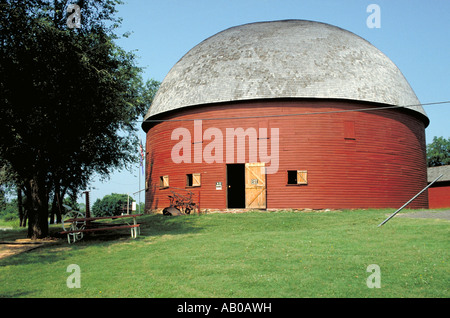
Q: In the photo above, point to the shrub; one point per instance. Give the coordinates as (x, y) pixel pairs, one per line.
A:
(9, 212)
(112, 204)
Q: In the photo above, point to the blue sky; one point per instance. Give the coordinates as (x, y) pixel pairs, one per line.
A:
(415, 35)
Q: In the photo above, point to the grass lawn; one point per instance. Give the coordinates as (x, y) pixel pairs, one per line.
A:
(254, 254)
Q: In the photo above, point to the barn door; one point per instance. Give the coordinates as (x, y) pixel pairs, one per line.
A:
(255, 185)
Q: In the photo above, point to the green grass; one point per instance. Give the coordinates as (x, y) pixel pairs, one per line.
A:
(9, 223)
(254, 254)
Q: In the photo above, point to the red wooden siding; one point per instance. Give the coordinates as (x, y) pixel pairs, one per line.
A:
(353, 159)
(439, 195)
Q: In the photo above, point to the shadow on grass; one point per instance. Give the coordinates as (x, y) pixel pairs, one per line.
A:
(158, 224)
(151, 225)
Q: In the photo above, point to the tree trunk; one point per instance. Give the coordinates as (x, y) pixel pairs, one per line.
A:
(22, 215)
(53, 209)
(57, 208)
(60, 210)
(37, 208)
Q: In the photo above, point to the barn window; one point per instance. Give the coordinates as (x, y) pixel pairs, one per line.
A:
(349, 130)
(297, 177)
(164, 182)
(193, 180)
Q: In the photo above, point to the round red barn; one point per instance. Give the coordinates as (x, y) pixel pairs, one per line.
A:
(286, 114)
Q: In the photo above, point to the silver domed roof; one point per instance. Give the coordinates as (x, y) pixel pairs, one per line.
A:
(283, 59)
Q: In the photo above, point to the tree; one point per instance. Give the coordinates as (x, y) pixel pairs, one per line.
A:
(69, 99)
(8, 183)
(112, 204)
(438, 152)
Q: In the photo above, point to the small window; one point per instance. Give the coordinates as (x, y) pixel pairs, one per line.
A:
(297, 177)
(349, 130)
(164, 182)
(292, 177)
(193, 180)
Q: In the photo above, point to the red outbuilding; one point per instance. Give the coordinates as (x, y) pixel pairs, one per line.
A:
(439, 192)
(286, 114)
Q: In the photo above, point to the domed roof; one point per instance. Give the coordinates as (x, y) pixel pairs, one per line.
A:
(283, 59)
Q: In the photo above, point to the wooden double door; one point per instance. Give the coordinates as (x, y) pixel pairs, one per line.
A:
(246, 185)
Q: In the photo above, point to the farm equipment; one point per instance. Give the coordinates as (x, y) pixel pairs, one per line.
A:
(70, 226)
(181, 204)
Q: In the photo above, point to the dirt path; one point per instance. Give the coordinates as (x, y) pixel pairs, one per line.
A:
(9, 248)
(427, 214)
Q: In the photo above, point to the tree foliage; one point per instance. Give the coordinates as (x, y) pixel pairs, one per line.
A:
(69, 98)
(438, 152)
(112, 204)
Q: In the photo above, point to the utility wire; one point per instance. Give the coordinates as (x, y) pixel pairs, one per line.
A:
(297, 114)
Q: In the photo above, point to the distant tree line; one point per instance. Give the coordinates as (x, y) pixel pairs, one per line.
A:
(112, 204)
(438, 152)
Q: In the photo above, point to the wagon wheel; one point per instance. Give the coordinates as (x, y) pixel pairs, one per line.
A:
(191, 207)
(70, 226)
